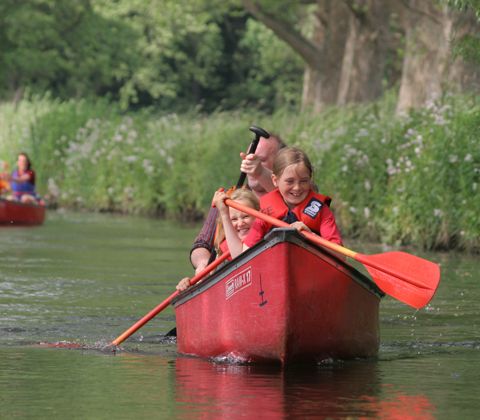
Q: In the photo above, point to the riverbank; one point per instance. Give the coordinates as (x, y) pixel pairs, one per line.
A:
(410, 180)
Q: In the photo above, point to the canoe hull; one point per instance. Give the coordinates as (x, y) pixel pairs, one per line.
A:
(283, 301)
(16, 213)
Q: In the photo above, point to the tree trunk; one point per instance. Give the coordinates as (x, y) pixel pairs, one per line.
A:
(322, 77)
(352, 40)
(345, 58)
(429, 68)
(365, 52)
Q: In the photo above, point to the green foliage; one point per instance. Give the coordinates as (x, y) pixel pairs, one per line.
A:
(409, 180)
(467, 45)
(170, 55)
(179, 50)
(61, 46)
(465, 5)
(270, 71)
(287, 10)
(402, 180)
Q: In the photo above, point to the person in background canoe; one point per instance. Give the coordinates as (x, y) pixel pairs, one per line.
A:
(258, 168)
(231, 223)
(4, 177)
(22, 181)
(294, 201)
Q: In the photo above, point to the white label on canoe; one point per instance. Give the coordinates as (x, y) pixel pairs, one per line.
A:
(239, 282)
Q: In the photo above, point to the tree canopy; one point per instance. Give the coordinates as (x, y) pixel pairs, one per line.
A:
(226, 54)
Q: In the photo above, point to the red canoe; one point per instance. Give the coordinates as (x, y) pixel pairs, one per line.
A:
(284, 300)
(16, 213)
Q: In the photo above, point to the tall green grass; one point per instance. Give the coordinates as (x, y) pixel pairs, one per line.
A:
(406, 180)
(400, 180)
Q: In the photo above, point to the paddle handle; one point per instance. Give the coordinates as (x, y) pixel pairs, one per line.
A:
(259, 132)
(159, 308)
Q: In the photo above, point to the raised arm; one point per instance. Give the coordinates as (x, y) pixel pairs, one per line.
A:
(258, 173)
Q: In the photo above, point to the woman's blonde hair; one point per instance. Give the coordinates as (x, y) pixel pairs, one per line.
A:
(290, 156)
(243, 195)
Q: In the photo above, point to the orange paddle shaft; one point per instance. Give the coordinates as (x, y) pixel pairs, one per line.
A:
(155, 311)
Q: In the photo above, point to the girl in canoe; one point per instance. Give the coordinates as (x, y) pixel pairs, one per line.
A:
(293, 201)
(232, 224)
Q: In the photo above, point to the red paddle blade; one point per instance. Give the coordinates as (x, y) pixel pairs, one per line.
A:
(410, 279)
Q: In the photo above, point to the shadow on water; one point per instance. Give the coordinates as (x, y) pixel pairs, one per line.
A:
(221, 389)
(37, 383)
(328, 390)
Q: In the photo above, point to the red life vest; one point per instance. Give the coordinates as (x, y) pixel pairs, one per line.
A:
(308, 211)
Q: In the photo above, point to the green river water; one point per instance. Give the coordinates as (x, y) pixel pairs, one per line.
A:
(85, 278)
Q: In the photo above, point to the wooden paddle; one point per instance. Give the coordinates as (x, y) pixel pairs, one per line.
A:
(259, 132)
(159, 308)
(410, 279)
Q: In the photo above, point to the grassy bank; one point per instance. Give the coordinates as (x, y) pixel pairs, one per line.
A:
(401, 180)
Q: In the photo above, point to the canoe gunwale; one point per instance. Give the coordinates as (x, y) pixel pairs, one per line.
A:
(21, 204)
(274, 237)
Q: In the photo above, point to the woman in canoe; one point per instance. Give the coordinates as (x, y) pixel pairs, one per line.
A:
(293, 200)
(232, 224)
(22, 181)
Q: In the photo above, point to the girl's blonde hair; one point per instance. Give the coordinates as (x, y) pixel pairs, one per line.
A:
(290, 156)
(243, 195)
